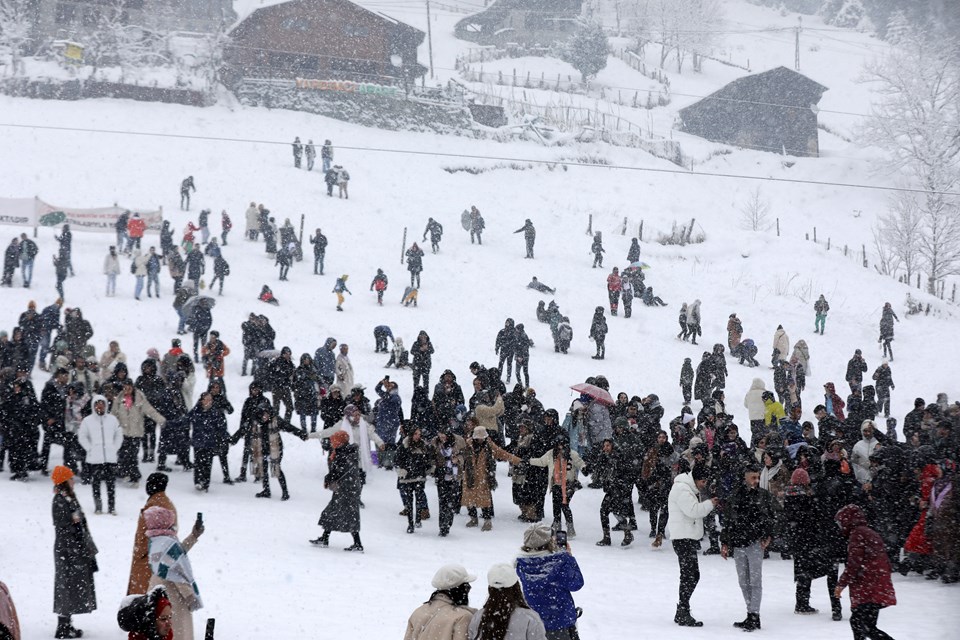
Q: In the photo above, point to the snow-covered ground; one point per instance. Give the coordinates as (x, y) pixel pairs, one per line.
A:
(258, 575)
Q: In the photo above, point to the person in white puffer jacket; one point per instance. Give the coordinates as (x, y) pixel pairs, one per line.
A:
(685, 526)
(860, 457)
(101, 437)
(756, 411)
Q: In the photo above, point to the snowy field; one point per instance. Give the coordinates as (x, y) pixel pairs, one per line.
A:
(258, 575)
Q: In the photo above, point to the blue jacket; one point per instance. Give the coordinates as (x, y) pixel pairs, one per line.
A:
(548, 579)
(209, 429)
(325, 360)
(389, 412)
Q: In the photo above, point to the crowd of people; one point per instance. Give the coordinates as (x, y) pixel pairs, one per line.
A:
(838, 488)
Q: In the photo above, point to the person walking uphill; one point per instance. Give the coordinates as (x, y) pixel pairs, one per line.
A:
(687, 512)
(886, 330)
(185, 188)
(297, 152)
(529, 235)
(597, 250)
(435, 229)
(506, 347)
(445, 615)
(820, 308)
(379, 283)
(549, 576)
(867, 573)
(74, 554)
(747, 531)
(598, 332)
(319, 242)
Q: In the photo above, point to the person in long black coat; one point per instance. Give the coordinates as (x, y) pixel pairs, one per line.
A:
(703, 385)
(343, 511)
(306, 399)
(421, 359)
(248, 416)
(20, 415)
(810, 533)
(268, 427)
(74, 555)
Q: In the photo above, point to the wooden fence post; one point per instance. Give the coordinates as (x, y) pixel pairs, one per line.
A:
(640, 236)
(624, 231)
(403, 249)
(828, 244)
(690, 230)
(590, 225)
(814, 234)
(778, 227)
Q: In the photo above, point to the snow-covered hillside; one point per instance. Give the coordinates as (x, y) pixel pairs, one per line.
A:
(258, 575)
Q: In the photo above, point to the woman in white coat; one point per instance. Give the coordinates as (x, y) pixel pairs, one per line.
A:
(100, 436)
(506, 614)
(753, 402)
(360, 432)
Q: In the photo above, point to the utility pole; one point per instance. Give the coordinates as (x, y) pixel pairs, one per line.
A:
(799, 28)
(430, 41)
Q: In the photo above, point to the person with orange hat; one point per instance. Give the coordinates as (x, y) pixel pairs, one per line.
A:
(75, 556)
(344, 479)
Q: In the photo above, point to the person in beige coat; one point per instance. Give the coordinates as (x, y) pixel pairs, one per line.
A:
(781, 345)
(110, 359)
(445, 616)
(140, 564)
(479, 477)
(130, 408)
(487, 412)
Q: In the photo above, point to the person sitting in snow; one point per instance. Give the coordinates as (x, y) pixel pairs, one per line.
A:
(266, 295)
(651, 300)
(539, 286)
(748, 352)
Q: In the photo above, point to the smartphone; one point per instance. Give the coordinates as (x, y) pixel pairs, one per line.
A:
(200, 518)
(561, 538)
(208, 635)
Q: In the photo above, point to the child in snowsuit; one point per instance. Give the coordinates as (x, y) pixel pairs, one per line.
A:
(598, 332)
(597, 250)
(339, 289)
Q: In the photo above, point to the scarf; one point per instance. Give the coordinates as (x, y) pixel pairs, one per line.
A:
(769, 472)
(360, 437)
(560, 475)
(937, 498)
(128, 401)
(170, 562)
(450, 470)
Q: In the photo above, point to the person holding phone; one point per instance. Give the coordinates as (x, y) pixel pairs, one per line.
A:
(549, 575)
(171, 568)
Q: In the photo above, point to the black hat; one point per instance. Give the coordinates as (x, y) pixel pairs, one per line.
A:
(156, 482)
(700, 472)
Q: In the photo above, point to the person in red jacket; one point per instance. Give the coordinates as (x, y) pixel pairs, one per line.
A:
(867, 573)
(613, 290)
(136, 227)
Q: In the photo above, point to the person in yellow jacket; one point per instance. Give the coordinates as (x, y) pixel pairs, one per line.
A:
(773, 411)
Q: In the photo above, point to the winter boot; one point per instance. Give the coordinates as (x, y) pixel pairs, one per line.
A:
(714, 550)
(424, 514)
(657, 541)
(684, 619)
(264, 494)
(804, 610)
(356, 546)
(571, 532)
(473, 522)
(836, 609)
(605, 542)
(627, 539)
(743, 623)
(322, 542)
(487, 525)
(410, 528)
(753, 622)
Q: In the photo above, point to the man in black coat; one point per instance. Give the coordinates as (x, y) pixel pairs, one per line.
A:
(53, 405)
(155, 391)
(913, 422)
(747, 532)
(319, 242)
(856, 367)
(66, 248)
(201, 322)
(506, 347)
(530, 235)
(195, 266)
(435, 229)
(828, 428)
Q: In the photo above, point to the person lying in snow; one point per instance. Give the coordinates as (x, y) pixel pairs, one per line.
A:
(266, 295)
(539, 286)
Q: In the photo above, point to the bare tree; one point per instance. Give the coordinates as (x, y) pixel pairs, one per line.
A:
(15, 27)
(917, 122)
(755, 212)
(898, 232)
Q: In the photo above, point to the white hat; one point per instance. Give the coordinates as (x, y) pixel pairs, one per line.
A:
(450, 576)
(479, 433)
(502, 576)
(688, 418)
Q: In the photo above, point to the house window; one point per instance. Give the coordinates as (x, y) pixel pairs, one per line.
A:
(66, 13)
(355, 31)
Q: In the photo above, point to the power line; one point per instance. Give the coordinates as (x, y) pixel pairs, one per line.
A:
(441, 154)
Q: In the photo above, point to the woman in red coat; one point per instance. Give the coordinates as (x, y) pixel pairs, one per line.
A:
(917, 546)
(867, 574)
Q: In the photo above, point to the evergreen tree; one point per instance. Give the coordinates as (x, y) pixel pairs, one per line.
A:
(588, 51)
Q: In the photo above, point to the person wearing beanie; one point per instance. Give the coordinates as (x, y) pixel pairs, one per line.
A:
(809, 533)
(345, 479)
(75, 556)
(479, 468)
(101, 437)
(445, 615)
(687, 512)
(268, 428)
(140, 563)
(549, 575)
(171, 569)
(506, 614)
(866, 572)
(148, 616)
